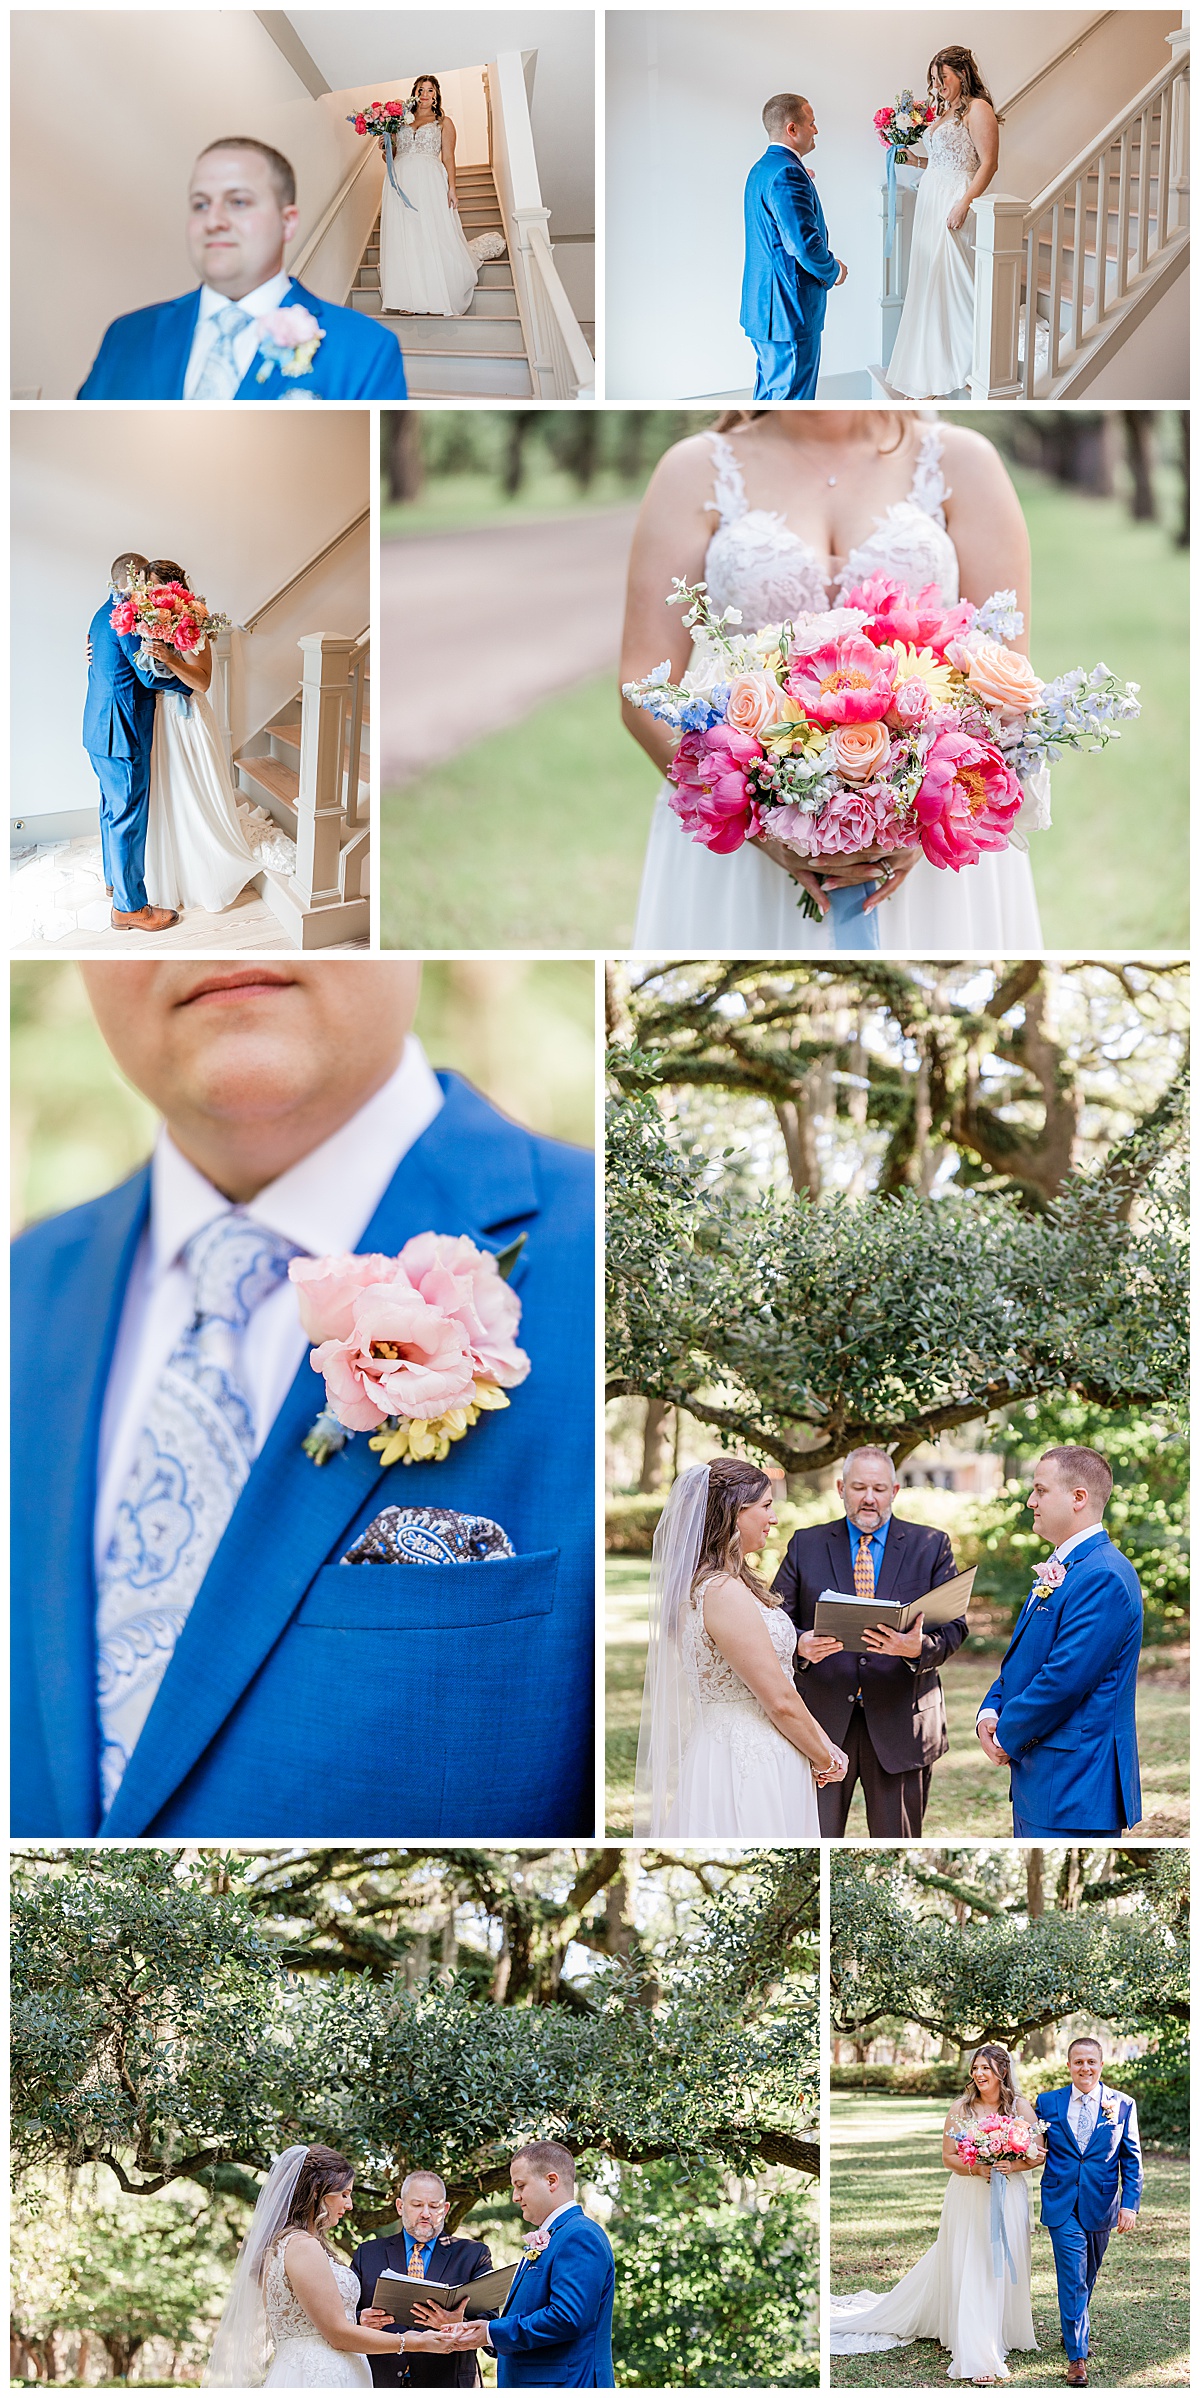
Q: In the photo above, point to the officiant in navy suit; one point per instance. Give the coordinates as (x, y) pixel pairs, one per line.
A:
(221, 342)
(420, 2246)
(192, 1656)
(1091, 2186)
(883, 1705)
(789, 264)
(118, 735)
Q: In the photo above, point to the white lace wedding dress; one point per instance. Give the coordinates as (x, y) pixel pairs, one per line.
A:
(932, 353)
(691, 899)
(197, 853)
(425, 266)
(739, 1778)
(302, 2359)
(953, 2295)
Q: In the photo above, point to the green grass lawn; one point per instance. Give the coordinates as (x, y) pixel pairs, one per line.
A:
(886, 2185)
(462, 503)
(969, 1798)
(536, 834)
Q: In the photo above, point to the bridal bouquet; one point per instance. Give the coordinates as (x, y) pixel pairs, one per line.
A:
(998, 2139)
(904, 122)
(382, 117)
(414, 1348)
(888, 723)
(166, 612)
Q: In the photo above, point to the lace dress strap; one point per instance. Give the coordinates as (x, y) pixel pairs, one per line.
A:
(729, 491)
(929, 492)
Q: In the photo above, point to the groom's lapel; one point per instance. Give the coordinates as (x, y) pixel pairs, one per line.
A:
(90, 1293)
(171, 346)
(471, 1172)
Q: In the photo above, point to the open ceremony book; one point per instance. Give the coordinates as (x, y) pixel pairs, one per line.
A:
(398, 2293)
(846, 1619)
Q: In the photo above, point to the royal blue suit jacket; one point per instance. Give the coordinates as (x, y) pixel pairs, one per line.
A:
(1066, 1695)
(144, 356)
(118, 713)
(306, 1697)
(1095, 2183)
(556, 2331)
(789, 264)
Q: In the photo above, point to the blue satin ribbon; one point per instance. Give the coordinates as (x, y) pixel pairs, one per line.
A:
(851, 928)
(890, 235)
(1001, 2252)
(389, 162)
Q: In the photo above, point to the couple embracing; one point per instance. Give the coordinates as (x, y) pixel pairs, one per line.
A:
(298, 2317)
(170, 832)
(972, 2290)
(790, 267)
(757, 1726)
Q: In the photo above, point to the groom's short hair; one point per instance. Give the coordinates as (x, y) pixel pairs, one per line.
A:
(781, 111)
(283, 174)
(1085, 1466)
(122, 565)
(1085, 2040)
(549, 2156)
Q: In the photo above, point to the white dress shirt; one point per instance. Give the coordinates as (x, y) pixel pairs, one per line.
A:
(256, 303)
(988, 1715)
(323, 1204)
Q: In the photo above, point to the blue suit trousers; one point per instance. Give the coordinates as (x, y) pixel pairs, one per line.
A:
(124, 803)
(787, 370)
(1078, 2256)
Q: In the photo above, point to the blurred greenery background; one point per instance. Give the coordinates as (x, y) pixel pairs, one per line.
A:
(536, 833)
(522, 1031)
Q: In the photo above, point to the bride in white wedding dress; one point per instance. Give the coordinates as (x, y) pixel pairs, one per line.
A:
(290, 2321)
(197, 855)
(935, 338)
(806, 504)
(727, 1748)
(425, 265)
(965, 2293)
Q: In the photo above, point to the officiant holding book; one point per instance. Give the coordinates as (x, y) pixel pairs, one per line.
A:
(421, 2247)
(882, 1703)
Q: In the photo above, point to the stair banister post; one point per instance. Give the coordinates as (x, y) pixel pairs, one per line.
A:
(220, 693)
(323, 696)
(999, 249)
(1177, 171)
(541, 365)
(894, 270)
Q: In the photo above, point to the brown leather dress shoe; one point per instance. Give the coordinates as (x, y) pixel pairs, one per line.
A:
(144, 920)
(1077, 2374)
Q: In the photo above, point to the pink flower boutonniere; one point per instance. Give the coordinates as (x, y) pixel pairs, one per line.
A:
(1052, 1575)
(1108, 2111)
(533, 2244)
(288, 338)
(414, 1348)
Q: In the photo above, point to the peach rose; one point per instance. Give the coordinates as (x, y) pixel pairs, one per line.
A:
(1003, 679)
(859, 750)
(756, 701)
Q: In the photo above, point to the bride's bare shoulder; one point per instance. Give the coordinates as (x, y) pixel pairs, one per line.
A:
(684, 472)
(972, 465)
(1027, 2110)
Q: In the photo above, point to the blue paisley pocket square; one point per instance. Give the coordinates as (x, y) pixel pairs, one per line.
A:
(428, 1536)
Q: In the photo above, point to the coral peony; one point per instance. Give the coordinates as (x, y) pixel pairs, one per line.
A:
(400, 1358)
(843, 682)
(466, 1284)
(712, 801)
(859, 750)
(894, 615)
(967, 800)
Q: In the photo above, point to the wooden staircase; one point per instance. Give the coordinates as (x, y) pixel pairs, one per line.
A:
(319, 793)
(481, 354)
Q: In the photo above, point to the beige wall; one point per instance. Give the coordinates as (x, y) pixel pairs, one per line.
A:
(98, 213)
(242, 498)
(684, 94)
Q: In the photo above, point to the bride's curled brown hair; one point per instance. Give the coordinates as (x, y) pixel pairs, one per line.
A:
(733, 1483)
(323, 2170)
(964, 64)
(1002, 2064)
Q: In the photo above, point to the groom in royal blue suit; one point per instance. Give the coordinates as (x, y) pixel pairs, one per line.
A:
(555, 2332)
(1091, 2185)
(192, 1656)
(118, 734)
(220, 342)
(789, 264)
(1061, 1713)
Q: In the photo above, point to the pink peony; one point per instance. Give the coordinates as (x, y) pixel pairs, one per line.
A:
(466, 1284)
(925, 622)
(797, 827)
(967, 800)
(124, 616)
(847, 681)
(289, 328)
(712, 801)
(400, 1358)
(360, 124)
(912, 702)
(847, 824)
(328, 1290)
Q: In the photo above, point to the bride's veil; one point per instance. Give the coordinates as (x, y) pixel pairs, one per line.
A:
(239, 2356)
(668, 1707)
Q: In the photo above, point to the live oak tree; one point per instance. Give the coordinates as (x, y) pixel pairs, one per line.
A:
(158, 2030)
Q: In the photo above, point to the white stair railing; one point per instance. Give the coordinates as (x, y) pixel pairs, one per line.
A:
(561, 366)
(331, 714)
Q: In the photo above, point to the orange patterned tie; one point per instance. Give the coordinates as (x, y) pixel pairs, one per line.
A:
(864, 1570)
(416, 2270)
